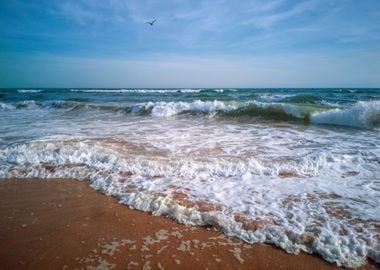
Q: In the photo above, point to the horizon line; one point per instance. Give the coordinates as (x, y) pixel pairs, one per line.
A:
(153, 88)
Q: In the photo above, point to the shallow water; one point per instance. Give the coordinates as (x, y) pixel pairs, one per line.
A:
(296, 168)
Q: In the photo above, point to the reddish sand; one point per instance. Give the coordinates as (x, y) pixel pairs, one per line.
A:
(59, 224)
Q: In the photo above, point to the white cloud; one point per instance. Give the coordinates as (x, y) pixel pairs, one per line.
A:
(274, 17)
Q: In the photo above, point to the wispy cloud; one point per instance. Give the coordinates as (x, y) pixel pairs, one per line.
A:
(271, 19)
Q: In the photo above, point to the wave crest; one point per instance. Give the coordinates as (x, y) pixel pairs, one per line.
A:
(29, 90)
(5, 106)
(361, 115)
(174, 108)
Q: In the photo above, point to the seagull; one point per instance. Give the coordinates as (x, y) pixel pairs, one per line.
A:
(151, 23)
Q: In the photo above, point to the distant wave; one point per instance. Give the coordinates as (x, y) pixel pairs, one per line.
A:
(145, 91)
(269, 97)
(29, 90)
(137, 90)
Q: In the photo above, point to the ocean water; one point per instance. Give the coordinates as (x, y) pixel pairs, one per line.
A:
(296, 168)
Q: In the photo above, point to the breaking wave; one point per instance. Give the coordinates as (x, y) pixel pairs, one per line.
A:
(174, 108)
(363, 114)
(360, 115)
(5, 106)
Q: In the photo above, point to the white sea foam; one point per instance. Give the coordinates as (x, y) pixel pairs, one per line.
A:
(190, 90)
(173, 108)
(362, 115)
(5, 106)
(300, 213)
(29, 90)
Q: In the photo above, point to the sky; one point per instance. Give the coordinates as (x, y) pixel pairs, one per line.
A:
(194, 43)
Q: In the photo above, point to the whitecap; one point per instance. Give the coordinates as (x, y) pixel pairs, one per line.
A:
(29, 91)
(363, 114)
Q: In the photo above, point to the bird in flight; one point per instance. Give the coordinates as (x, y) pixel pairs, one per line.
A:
(152, 22)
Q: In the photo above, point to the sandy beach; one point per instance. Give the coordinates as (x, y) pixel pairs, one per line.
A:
(64, 224)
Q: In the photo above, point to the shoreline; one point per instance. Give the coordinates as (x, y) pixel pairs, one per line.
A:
(64, 224)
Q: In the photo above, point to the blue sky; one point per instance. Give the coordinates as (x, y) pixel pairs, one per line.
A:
(213, 43)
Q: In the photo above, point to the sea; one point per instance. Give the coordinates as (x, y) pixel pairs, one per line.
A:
(295, 168)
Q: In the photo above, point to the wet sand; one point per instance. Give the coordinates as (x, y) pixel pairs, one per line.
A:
(64, 224)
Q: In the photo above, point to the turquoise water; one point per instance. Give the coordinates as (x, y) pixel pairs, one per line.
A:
(304, 161)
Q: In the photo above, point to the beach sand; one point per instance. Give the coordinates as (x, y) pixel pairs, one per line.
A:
(64, 224)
